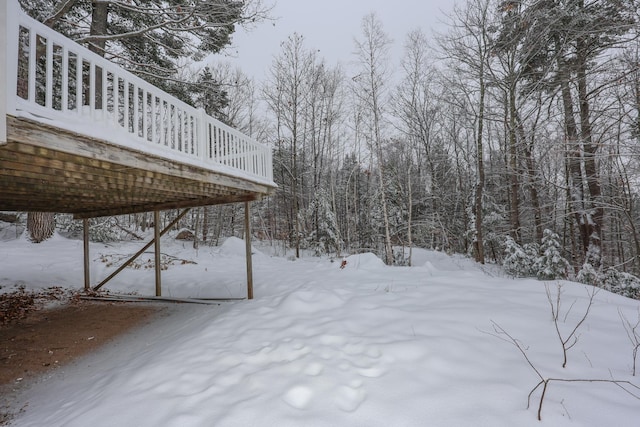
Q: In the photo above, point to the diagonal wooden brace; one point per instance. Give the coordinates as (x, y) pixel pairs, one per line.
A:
(141, 251)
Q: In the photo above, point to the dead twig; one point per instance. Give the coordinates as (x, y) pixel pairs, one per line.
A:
(499, 332)
(572, 338)
(633, 334)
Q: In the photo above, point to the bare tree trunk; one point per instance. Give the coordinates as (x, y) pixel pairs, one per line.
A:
(531, 175)
(388, 252)
(196, 225)
(372, 53)
(40, 226)
(514, 176)
(478, 244)
(205, 223)
(99, 22)
(596, 215)
(410, 214)
(582, 172)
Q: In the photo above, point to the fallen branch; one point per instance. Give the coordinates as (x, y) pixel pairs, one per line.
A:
(546, 382)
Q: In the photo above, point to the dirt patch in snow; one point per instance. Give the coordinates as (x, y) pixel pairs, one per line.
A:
(44, 339)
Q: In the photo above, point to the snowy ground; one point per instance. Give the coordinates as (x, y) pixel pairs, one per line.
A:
(368, 345)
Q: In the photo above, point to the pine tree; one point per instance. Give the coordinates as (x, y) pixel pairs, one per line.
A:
(149, 37)
(551, 265)
(517, 262)
(211, 96)
(562, 42)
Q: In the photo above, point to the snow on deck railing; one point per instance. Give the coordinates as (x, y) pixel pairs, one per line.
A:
(52, 79)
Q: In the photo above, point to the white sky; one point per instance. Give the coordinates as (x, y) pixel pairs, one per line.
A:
(330, 26)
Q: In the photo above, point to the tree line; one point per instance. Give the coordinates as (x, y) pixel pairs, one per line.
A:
(519, 122)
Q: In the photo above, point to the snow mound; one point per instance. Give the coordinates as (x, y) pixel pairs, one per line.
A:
(367, 260)
(436, 260)
(236, 247)
(10, 231)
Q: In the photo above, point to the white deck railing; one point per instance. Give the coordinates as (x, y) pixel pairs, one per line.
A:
(50, 78)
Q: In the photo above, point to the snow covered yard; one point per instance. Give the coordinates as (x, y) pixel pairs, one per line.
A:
(368, 345)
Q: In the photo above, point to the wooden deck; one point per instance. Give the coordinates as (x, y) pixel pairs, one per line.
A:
(80, 135)
(48, 169)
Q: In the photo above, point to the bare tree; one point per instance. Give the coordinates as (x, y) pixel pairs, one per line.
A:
(468, 47)
(286, 95)
(372, 53)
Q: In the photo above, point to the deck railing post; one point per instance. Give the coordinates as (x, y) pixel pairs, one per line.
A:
(8, 62)
(202, 148)
(22, 41)
(4, 41)
(269, 160)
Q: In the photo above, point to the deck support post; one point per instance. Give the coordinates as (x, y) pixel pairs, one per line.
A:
(156, 239)
(85, 241)
(141, 251)
(247, 240)
(9, 27)
(5, 9)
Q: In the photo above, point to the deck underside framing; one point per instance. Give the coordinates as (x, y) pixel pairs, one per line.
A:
(47, 169)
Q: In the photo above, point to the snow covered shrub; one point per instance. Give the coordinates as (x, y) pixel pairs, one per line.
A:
(103, 229)
(533, 252)
(588, 274)
(518, 261)
(550, 265)
(400, 256)
(622, 283)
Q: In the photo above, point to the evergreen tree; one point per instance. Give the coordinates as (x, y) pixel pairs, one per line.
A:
(325, 235)
(562, 43)
(149, 37)
(211, 96)
(551, 265)
(588, 275)
(517, 262)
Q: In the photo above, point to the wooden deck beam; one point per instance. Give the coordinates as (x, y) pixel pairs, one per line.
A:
(43, 168)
